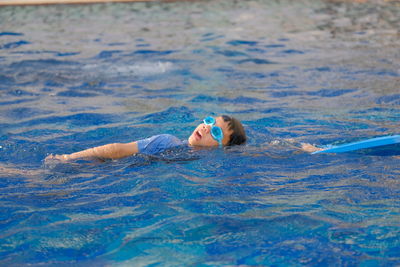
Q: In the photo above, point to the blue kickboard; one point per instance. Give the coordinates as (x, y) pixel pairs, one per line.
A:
(369, 143)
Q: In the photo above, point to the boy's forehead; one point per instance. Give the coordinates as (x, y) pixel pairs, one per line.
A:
(223, 124)
(225, 128)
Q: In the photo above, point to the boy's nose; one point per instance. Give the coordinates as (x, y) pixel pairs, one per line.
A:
(206, 128)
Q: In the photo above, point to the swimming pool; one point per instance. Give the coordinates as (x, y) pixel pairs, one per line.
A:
(74, 77)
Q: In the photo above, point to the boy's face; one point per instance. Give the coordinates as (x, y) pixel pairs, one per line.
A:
(201, 136)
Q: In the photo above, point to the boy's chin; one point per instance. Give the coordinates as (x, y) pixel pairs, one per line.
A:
(192, 141)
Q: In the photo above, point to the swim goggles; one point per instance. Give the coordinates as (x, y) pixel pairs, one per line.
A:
(216, 131)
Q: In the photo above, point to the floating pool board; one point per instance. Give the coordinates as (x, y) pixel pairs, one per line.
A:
(369, 143)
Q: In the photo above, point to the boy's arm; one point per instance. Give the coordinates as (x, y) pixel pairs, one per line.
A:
(110, 151)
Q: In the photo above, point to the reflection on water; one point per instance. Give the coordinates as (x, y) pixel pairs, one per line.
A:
(321, 72)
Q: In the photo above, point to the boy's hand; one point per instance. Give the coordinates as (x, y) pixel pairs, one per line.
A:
(62, 158)
(310, 148)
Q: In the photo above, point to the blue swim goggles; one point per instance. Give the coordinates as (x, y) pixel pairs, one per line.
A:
(216, 131)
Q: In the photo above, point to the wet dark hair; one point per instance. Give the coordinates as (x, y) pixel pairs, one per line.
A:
(238, 135)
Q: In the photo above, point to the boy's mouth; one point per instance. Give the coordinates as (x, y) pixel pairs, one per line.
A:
(197, 135)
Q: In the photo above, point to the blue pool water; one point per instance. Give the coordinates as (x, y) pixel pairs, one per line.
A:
(322, 72)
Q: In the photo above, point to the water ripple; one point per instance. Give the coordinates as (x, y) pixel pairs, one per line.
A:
(316, 72)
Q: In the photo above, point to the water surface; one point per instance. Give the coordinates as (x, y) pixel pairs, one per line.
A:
(322, 72)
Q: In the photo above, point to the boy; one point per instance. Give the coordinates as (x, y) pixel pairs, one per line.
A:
(220, 131)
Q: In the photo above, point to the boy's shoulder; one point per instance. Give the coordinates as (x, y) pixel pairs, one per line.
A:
(166, 137)
(158, 143)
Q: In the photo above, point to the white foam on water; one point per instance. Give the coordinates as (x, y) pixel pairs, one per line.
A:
(140, 69)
